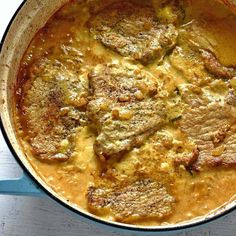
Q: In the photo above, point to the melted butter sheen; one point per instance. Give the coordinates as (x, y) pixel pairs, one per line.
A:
(196, 194)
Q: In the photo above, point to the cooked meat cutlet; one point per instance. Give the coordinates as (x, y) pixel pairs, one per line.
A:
(46, 129)
(52, 108)
(142, 198)
(213, 128)
(213, 65)
(133, 31)
(119, 135)
(123, 107)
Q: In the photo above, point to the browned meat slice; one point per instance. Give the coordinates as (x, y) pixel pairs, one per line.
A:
(132, 201)
(213, 128)
(188, 66)
(111, 83)
(45, 128)
(215, 67)
(52, 107)
(118, 134)
(189, 160)
(123, 108)
(133, 30)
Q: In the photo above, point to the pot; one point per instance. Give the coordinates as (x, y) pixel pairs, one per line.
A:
(29, 18)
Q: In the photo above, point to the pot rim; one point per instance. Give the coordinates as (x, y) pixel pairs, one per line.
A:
(167, 228)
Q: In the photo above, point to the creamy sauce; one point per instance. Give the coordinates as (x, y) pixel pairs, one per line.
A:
(196, 194)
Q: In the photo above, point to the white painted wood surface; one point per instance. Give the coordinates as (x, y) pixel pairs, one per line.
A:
(29, 216)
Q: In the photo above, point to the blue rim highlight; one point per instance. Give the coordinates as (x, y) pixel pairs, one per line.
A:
(22, 186)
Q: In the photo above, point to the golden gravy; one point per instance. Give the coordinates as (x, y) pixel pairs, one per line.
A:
(196, 193)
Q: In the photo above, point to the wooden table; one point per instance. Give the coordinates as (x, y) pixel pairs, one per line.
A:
(32, 216)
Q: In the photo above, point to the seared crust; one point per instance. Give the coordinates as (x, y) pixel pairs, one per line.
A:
(45, 127)
(123, 108)
(143, 198)
(50, 114)
(215, 67)
(133, 31)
